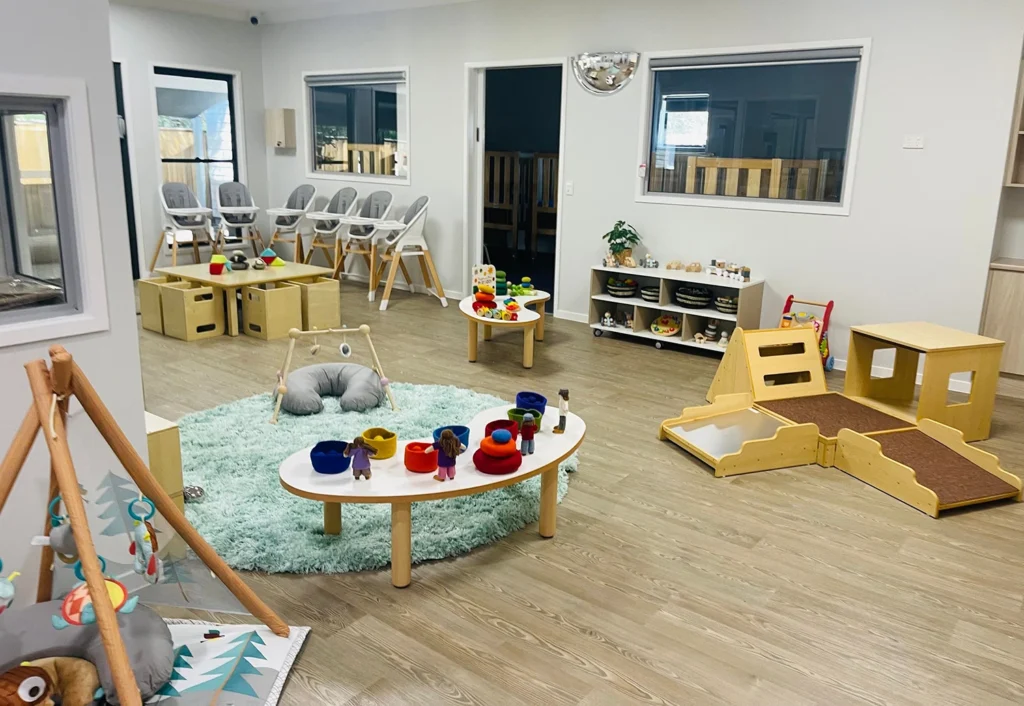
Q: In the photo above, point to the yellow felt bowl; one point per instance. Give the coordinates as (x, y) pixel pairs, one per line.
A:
(384, 441)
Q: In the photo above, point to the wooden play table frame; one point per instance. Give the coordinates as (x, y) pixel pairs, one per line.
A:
(946, 351)
(532, 323)
(231, 282)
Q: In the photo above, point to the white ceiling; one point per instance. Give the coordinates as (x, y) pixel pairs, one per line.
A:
(270, 11)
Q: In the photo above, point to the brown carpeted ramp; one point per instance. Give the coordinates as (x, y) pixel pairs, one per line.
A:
(832, 412)
(953, 478)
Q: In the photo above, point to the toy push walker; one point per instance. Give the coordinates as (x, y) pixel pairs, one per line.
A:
(802, 319)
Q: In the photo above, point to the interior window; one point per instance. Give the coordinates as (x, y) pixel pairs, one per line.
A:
(755, 126)
(359, 123)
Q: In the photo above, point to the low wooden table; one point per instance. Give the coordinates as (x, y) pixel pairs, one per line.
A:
(390, 482)
(231, 282)
(946, 352)
(532, 323)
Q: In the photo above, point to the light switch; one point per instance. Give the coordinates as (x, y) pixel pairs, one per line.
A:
(568, 188)
(913, 142)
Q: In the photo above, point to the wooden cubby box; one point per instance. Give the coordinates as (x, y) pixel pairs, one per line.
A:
(694, 321)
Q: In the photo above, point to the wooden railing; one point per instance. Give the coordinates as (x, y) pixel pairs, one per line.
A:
(343, 156)
(799, 179)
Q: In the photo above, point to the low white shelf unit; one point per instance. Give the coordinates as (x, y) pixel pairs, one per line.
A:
(747, 316)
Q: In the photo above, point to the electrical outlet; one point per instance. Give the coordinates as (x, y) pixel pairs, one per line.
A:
(569, 188)
(913, 142)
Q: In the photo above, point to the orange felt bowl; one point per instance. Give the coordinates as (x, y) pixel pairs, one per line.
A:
(420, 457)
(492, 448)
(483, 297)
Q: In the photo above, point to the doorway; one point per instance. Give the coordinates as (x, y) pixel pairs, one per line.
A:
(126, 171)
(514, 170)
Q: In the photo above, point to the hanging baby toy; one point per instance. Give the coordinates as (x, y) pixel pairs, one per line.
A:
(144, 546)
(61, 540)
(77, 607)
(7, 589)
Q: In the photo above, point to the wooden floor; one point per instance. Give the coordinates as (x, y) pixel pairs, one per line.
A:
(663, 584)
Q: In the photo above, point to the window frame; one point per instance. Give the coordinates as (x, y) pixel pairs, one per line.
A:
(642, 195)
(308, 128)
(77, 203)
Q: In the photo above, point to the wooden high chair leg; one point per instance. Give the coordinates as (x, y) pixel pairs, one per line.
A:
(195, 248)
(174, 249)
(396, 262)
(297, 253)
(438, 288)
(405, 272)
(374, 279)
(156, 254)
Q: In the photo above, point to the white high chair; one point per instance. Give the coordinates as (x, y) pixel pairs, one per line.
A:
(182, 212)
(408, 241)
(288, 220)
(363, 232)
(327, 224)
(238, 210)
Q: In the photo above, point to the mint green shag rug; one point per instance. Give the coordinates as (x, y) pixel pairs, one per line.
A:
(233, 453)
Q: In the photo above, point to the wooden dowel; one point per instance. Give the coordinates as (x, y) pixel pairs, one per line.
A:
(106, 619)
(60, 373)
(17, 452)
(60, 382)
(137, 469)
(279, 396)
(380, 370)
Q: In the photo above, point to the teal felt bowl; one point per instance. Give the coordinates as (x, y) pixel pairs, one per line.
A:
(328, 457)
(461, 433)
(516, 415)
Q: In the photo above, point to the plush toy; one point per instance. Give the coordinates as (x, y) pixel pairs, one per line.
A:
(144, 545)
(7, 589)
(75, 682)
(76, 608)
(26, 685)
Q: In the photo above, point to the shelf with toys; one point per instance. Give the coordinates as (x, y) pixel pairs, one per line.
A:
(688, 309)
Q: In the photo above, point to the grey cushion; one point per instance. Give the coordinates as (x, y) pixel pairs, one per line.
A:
(299, 198)
(26, 634)
(376, 205)
(340, 203)
(234, 194)
(358, 387)
(178, 195)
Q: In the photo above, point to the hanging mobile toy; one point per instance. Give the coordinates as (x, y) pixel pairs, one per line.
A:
(77, 606)
(7, 589)
(144, 546)
(61, 540)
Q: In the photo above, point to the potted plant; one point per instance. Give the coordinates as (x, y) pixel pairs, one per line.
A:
(621, 239)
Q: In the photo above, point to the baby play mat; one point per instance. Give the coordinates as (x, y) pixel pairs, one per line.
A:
(234, 454)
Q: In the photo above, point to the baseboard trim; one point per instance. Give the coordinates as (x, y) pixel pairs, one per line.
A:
(415, 289)
(571, 316)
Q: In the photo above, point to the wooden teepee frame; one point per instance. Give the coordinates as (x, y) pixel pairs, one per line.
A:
(51, 390)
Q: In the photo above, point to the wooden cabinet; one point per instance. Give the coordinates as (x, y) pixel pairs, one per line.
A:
(280, 124)
(1004, 311)
(1015, 158)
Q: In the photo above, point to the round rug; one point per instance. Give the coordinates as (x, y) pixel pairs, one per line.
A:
(233, 453)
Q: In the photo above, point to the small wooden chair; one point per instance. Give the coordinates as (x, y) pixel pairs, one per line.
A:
(501, 193)
(545, 196)
(238, 211)
(327, 225)
(362, 238)
(409, 242)
(288, 220)
(182, 212)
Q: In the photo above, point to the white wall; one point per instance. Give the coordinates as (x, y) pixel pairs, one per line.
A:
(142, 38)
(71, 40)
(918, 240)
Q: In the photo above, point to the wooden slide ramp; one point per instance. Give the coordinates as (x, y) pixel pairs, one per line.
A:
(930, 468)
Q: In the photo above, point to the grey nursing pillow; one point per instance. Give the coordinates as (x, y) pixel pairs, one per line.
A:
(26, 634)
(358, 387)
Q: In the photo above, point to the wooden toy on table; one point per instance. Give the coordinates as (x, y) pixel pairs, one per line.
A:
(770, 408)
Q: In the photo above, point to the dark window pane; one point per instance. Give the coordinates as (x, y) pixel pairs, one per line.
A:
(359, 128)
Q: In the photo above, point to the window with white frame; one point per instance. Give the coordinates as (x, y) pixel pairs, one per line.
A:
(772, 126)
(359, 123)
(37, 278)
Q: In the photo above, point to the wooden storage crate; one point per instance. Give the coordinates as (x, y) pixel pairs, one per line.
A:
(149, 303)
(321, 303)
(269, 313)
(192, 312)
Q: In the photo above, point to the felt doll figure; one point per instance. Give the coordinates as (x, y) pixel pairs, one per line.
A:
(563, 410)
(361, 453)
(526, 431)
(448, 449)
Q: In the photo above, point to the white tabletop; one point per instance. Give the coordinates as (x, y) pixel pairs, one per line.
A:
(391, 481)
(525, 315)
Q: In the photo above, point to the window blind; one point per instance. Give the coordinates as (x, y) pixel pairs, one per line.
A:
(360, 79)
(800, 56)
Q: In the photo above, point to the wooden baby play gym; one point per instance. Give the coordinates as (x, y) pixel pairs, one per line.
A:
(770, 408)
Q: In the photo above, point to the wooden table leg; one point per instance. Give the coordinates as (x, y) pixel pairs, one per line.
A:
(540, 322)
(548, 502)
(332, 518)
(373, 270)
(488, 332)
(528, 333)
(472, 340)
(401, 544)
(231, 301)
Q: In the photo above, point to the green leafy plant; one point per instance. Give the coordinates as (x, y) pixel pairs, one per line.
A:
(621, 237)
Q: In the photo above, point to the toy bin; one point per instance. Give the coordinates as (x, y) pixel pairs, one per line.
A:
(516, 415)
(149, 303)
(461, 433)
(321, 303)
(511, 425)
(420, 457)
(191, 312)
(531, 400)
(270, 312)
(383, 440)
(328, 457)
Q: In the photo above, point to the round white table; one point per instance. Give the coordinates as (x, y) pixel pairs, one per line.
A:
(531, 322)
(392, 483)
